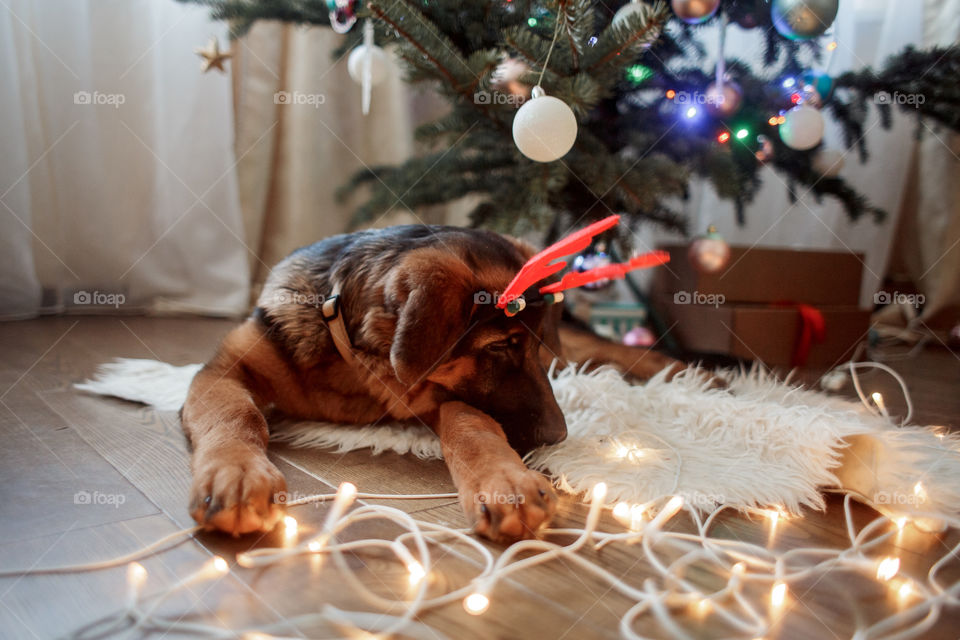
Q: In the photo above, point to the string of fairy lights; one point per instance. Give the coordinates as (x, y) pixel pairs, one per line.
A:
(666, 593)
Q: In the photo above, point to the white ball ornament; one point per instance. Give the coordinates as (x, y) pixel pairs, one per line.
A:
(803, 128)
(379, 65)
(544, 128)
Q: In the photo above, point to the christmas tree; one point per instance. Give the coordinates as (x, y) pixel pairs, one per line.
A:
(647, 116)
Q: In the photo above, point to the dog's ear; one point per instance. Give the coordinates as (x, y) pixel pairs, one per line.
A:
(432, 289)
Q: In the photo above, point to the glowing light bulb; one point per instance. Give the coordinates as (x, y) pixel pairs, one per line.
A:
(599, 491)
(778, 594)
(704, 607)
(692, 112)
(832, 46)
(671, 94)
(673, 505)
(742, 133)
(314, 546)
(781, 119)
(669, 510)
(773, 121)
(220, 565)
(289, 527)
(136, 575)
(348, 490)
(476, 603)
(920, 491)
(888, 568)
(789, 82)
(621, 511)
(416, 572)
(723, 138)
(905, 590)
(878, 400)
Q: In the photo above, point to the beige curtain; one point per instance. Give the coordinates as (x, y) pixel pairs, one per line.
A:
(294, 151)
(927, 250)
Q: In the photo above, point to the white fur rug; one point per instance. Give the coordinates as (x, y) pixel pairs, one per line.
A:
(759, 443)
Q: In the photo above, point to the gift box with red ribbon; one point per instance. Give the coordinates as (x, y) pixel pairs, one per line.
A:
(778, 306)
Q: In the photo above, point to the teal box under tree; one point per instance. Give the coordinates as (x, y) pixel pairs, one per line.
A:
(614, 319)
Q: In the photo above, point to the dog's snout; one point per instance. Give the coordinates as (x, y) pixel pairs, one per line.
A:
(552, 434)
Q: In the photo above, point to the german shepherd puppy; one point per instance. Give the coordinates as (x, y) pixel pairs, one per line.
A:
(423, 348)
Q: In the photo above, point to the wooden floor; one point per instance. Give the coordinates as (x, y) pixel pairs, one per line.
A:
(58, 442)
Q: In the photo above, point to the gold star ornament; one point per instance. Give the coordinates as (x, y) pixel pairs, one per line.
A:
(213, 57)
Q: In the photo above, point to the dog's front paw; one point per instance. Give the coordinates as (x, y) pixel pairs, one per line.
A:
(235, 490)
(509, 503)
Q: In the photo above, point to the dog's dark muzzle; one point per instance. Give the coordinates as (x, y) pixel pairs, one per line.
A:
(528, 412)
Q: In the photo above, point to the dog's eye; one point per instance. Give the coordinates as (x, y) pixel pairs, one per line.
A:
(512, 342)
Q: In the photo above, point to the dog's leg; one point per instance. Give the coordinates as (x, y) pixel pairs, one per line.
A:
(581, 346)
(501, 497)
(234, 483)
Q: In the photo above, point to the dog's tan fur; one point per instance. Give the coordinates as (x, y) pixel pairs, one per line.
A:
(408, 301)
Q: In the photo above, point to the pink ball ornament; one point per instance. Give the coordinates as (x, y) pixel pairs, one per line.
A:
(803, 19)
(695, 11)
(709, 253)
(639, 337)
(954, 340)
(723, 102)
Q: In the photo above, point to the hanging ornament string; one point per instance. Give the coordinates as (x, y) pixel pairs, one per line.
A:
(556, 34)
(721, 60)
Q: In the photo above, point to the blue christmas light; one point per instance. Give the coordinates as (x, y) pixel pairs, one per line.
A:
(789, 83)
(692, 113)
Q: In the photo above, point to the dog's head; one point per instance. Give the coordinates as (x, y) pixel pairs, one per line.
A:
(448, 334)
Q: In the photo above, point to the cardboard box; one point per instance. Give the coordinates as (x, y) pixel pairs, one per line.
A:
(758, 275)
(762, 332)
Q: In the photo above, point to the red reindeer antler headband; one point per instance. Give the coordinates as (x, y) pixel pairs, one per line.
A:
(543, 266)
